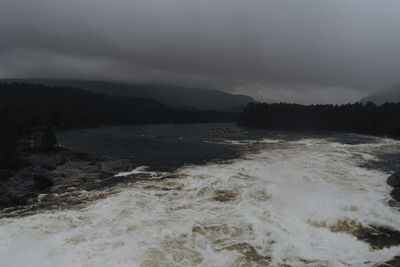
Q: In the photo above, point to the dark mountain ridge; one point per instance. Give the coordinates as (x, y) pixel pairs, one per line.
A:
(174, 96)
(39, 105)
(391, 95)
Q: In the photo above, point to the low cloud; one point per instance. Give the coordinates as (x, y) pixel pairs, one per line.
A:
(307, 51)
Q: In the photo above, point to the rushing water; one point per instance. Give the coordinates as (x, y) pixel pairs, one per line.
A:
(285, 201)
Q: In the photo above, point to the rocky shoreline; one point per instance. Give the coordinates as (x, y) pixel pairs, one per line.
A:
(56, 173)
(392, 237)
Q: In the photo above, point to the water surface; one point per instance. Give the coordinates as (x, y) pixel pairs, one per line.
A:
(284, 199)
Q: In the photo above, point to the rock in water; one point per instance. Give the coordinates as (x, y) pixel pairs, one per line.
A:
(394, 180)
(395, 194)
(393, 262)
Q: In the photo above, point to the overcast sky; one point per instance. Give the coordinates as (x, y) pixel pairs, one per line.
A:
(306, 51)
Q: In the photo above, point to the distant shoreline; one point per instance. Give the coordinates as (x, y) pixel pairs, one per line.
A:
(358, 118)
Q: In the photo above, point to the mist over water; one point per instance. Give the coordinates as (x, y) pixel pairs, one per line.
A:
(289, 201)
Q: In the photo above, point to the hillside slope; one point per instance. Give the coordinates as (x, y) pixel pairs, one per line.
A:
(391, 94)
(174, 96)
(39, 105)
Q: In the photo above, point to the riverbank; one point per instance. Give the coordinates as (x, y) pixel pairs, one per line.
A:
(56, 173)
(65, 172)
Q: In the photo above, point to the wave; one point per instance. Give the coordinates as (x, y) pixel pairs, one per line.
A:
(293, 203)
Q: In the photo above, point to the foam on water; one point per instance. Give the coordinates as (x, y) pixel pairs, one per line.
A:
(295, 203)
(141, 170)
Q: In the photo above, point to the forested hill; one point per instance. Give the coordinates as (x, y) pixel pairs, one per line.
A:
(173, 96)
(357, 118)
(39, 105)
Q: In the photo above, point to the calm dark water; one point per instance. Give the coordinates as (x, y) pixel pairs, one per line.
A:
(164, 147)
(160, 147)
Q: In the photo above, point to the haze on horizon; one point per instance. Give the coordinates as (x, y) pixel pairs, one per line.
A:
(308, 51)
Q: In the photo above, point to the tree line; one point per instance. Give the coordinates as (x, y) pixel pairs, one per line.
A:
(70, 107)
(383, 120)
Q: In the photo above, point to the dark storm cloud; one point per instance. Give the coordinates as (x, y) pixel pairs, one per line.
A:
(282, 50)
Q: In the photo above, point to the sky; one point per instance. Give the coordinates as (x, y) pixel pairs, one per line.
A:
(304, 51)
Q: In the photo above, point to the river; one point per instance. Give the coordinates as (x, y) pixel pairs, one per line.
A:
(233, 197)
